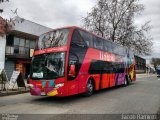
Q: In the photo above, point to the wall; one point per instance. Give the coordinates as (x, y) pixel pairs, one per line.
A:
(29, 27)
(2, 51)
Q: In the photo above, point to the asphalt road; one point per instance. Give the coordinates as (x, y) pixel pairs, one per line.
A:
(141, 97)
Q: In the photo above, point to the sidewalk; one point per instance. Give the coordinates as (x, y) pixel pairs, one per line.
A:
(13, 91)
(145, 75)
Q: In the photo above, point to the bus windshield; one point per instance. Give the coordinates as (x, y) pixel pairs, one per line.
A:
(55, 38)
(48, 66)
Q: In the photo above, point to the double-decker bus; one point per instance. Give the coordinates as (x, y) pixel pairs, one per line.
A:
(71, 60)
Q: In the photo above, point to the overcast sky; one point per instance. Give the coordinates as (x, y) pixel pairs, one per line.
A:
(59, 13)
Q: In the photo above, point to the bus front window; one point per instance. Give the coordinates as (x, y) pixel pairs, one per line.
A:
(55, 38)
(48, 66)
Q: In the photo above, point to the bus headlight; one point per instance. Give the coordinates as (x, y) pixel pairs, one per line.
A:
(31, 85)
(59, 85)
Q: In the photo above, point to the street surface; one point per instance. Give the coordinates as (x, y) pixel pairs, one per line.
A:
(142, 96)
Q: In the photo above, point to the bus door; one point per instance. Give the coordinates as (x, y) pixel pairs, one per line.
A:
(72, 73)
(78, 49)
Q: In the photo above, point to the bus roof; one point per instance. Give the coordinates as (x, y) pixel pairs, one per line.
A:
(76, 27)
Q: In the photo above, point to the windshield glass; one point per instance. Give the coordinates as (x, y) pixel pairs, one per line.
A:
(53, 39)
(48, 66)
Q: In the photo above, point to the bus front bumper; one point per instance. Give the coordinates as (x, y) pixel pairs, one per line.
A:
(50, 91)
(46, 92)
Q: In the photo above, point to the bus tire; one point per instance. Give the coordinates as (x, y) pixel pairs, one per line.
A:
(129, 80)
(89, 88)
(125, 81)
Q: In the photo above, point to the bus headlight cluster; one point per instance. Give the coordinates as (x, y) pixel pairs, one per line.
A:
(59, 85)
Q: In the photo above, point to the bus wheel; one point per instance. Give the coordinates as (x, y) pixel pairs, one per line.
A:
(129, 80)
(89, 88)
(125, 81)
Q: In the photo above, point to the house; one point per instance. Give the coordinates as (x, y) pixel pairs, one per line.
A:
(140, 64)
(17, 46)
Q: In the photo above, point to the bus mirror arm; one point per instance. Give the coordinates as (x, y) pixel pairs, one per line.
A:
(72, 71)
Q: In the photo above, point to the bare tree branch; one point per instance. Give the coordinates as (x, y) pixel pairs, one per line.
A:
(114, 19)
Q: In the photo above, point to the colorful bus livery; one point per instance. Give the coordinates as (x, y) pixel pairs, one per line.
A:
(70, 61)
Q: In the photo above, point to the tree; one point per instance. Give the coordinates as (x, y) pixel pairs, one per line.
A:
(155, 62)
(114, 20)
(5, 24)
(2, 1)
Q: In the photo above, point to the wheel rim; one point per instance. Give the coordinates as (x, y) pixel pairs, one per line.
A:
(125, 82)
(90, 87)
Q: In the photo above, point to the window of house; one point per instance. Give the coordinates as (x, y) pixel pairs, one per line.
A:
(16, 49)
(16, 41)
(26, 50)
(21, 46)
(27, 46)
(27, 43)
(9, 41)
(32, 44)
(21, 50)
(21, 42)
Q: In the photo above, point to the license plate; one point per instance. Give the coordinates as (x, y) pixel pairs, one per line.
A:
(43, 93)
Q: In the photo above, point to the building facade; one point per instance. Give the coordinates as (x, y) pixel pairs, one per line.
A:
(17, 46)
(140, 64)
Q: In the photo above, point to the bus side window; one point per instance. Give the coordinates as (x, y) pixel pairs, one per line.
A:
(107, 67)
(77, 39)
(107, 46)
(121, 51)
(114, 48)
(87, 38)
(96, 67)
(98, 43)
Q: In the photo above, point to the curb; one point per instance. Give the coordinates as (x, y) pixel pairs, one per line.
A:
(12, 93)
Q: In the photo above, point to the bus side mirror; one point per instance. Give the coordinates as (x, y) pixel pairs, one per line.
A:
(72, 71)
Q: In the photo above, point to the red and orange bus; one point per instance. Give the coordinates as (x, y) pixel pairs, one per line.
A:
(69, 61)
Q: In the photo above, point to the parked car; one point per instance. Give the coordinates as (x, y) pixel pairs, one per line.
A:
(158, 71)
